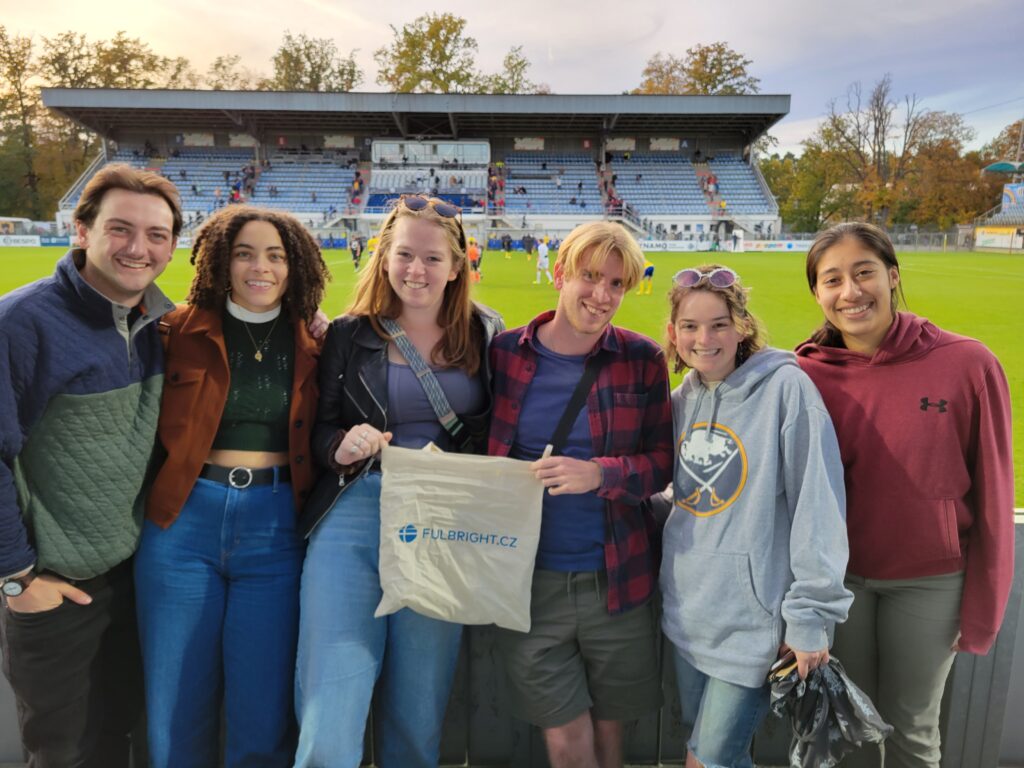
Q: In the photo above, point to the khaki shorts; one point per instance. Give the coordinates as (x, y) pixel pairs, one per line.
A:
(578, 658)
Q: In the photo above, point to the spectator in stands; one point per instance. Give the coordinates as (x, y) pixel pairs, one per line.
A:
(81, 350)
(558, 182)
(923, 420)
(183, 174)
(217, 571)
(589, 662)
(639, 178)
(419, 280)
(312, 196)
(579, 186)
(195, 190)
(778, 503)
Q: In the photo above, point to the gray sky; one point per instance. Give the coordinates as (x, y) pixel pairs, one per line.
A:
(953, 55)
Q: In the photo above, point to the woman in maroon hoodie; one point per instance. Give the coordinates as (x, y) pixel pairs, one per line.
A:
(923, 420)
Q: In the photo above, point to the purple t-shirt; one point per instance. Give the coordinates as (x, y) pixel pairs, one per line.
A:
(572, 528)
(412, 420)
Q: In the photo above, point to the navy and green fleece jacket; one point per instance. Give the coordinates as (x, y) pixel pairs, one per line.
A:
(79, 400)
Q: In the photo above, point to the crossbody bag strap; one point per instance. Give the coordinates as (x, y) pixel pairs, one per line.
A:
(576, 402)
(431, 386)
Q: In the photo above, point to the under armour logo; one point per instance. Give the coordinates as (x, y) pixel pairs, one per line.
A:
(926, 404)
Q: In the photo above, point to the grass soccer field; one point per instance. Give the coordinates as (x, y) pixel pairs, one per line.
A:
(968, 293)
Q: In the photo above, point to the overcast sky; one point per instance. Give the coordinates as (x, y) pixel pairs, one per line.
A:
(954, 55)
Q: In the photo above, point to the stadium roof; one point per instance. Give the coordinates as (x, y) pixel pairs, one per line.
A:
(409, 116)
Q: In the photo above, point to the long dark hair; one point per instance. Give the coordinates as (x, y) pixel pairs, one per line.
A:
(870, 237)
(211, 255)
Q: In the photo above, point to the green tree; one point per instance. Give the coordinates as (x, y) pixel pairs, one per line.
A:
(304, 63)
(19, 107)
(711, 70)
(126, 62)
(512, 78)
(68, 60)
(432, 54)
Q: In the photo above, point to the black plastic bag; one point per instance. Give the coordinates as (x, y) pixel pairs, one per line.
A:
(830, 715)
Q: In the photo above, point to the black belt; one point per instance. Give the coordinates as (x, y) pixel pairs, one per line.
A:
(243, 477)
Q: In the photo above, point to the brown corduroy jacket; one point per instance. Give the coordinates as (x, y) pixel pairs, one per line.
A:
(196, 383)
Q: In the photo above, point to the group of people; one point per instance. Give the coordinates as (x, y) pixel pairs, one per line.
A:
(858, 492)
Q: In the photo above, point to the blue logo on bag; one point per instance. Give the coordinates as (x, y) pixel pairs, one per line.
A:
(407, 533)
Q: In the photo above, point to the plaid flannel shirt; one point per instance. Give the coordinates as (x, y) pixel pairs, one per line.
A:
(631, 425)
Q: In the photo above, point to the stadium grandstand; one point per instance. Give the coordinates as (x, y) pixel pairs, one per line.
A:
(667, 167)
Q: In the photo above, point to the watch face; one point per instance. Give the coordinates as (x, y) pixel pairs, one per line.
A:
(12, 588)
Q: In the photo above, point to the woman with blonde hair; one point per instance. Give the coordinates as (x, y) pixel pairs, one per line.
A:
(412, 301)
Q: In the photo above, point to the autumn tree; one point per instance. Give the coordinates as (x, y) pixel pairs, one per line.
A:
(226, 73)
(710, 70)
(432, 54)
(1008, 145)
(304, 63)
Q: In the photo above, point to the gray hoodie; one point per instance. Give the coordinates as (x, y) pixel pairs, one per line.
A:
(755, 546)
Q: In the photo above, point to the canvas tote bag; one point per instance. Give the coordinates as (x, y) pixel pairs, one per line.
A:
(458, 536)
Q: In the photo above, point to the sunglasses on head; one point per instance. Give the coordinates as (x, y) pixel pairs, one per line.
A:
(441, 208)
(690, 277)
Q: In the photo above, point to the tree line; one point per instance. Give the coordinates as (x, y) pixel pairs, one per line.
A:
(867, 159)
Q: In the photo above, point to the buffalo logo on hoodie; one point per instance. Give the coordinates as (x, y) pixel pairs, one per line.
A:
(713, 464)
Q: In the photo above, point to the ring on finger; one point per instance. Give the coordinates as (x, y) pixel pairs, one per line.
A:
(364, 434)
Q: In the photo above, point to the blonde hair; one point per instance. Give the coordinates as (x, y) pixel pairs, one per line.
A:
(375, 298)
(735, 298)
(596, 241)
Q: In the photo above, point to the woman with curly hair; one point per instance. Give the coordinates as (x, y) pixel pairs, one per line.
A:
(418, 279)
(218, 568)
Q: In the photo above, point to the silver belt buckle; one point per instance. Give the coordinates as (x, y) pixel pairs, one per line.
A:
(246, 480)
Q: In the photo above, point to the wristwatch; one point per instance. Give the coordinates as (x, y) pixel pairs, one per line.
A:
(15, 585)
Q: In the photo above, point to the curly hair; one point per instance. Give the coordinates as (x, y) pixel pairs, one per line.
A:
(735, 298)
(211, 255)
(459, 347)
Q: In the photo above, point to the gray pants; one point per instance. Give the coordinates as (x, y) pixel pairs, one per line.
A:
(896, 647)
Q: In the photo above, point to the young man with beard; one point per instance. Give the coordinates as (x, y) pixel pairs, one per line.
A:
(79, 398)
(588, 663)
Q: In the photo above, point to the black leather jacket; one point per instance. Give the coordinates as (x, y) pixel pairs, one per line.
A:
(354, 390)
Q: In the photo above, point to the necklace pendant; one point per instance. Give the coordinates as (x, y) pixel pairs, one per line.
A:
(258, 356)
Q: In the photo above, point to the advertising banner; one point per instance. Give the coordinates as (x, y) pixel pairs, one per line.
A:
(19, 241)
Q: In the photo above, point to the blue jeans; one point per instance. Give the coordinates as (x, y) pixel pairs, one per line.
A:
(722, 717)
(343, 650)
(218, 606)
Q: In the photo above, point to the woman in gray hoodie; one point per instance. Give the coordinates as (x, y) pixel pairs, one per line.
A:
(755, 544)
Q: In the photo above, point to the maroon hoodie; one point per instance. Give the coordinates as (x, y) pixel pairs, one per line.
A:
(925, 435)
